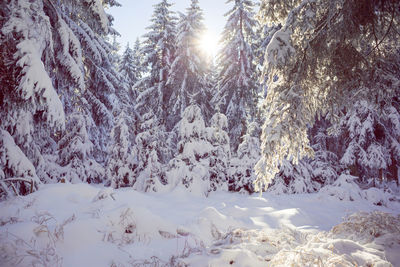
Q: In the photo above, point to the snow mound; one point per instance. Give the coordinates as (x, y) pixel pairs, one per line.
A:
(363, 239)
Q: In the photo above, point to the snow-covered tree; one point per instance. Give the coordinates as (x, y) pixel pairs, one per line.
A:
(238, 87)
(17, 173)
(326, 56)
(190, 168)
(130, 66)
(325, 164)
(76, 153)
(102, 91)
(221, 152)
(188, 69)
(154, 152)
(122, 160)
(29, 102)
(371, 140)
(294, 178)
(158, 49)
(241, 170)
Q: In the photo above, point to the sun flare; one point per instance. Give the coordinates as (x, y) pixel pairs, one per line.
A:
(209, 43)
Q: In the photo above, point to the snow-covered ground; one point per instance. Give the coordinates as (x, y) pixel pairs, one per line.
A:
(84, 225)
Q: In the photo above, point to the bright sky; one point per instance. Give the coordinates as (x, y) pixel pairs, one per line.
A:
(134, 16)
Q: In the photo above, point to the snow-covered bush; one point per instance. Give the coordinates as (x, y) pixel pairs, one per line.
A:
(344, 188)
(366, 227)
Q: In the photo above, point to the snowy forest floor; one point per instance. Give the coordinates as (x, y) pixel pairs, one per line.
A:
(85, 225)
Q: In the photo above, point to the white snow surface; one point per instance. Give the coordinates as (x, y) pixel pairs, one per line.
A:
(85, 225)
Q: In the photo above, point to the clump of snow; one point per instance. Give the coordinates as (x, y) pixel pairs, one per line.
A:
(344, 188)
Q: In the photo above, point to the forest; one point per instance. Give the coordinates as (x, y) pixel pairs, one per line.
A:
(301, 103)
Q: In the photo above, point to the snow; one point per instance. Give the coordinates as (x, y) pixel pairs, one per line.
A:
(86, 225)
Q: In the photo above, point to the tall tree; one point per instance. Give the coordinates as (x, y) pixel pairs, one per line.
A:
(56, 63)
(158, 49)
(325, 54)
(238, 86)
(130, 65)
(188, 69)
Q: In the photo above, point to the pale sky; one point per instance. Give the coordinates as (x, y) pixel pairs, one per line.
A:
(131, 19)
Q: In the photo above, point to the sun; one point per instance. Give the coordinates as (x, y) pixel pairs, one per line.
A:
(209, 43)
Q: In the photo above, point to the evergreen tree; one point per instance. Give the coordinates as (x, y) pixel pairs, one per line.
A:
(122, 161)
(76, 153)
(325, 54)
(238, 86)
(158, 49)
(28, 98)
(57, 64)
(127, 67)
(188, 69)
(190, 167)
(325, 165)
(220, 153)
(17, 174)
(104, 90)
(241, 170)
(153, 152)
(371, 141)
(294, 178)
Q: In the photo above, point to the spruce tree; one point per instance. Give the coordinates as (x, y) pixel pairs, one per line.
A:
(371, 142)
(238, 87)
(326, 56)
(122, 160)
(190, 168)
(154, 152)
(241, 169)
(221, 153)
(188, 69)
(159, 50)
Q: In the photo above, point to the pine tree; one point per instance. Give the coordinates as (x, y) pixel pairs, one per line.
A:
(241, 170)
(127, 67)
(221, 152)
(17, 173)
(158, 49)
(371, 141)
(28, 98)
(122, 160)
(58, 66)
(104, 89)
(76, 153)
(325, 54)
(153, 152)
(190, 168)
(238, 86)
(188, 69)
(325, 164)
(294, 178)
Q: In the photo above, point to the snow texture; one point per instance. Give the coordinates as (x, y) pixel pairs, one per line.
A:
(179, 229)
